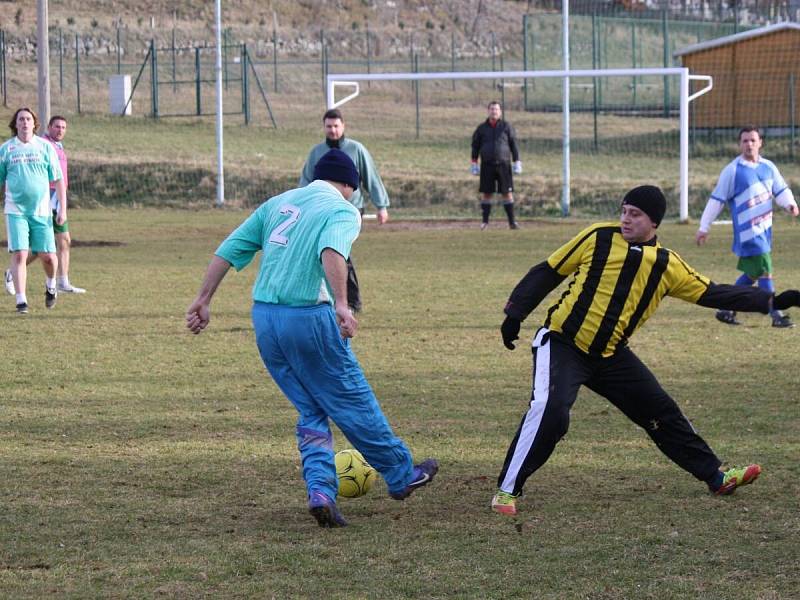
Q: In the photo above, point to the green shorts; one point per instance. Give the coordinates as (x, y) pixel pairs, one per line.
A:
(29, 232)
(63, 228)
(756, 266)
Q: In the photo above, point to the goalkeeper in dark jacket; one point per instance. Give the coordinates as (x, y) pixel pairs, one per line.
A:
(495, 142)
(620, 274)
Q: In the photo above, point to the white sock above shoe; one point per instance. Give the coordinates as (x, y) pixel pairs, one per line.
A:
(22, 299)
(50, 282)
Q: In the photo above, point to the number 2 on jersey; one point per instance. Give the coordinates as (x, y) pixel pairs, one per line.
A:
(277, 237)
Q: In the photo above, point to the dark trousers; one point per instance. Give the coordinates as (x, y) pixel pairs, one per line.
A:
(559, 369)
(353, 294)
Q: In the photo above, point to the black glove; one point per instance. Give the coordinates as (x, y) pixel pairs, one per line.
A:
(786, 299)
(510, 331)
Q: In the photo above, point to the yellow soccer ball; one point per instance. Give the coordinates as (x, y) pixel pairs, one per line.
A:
(355, 474)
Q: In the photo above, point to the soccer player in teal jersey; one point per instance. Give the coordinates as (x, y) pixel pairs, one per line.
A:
(27, 166)
(305, 236)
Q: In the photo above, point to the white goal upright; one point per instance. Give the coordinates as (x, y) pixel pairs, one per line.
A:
(351, 80)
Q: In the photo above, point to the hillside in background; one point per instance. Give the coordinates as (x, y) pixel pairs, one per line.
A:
(465, 20)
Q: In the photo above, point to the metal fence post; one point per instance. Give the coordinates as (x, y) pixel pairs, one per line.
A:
(60, 61)
(174, 84)
(154, 78)
(665, 34)
(245, 87)
(453, 56)
(119, 53)
(792, 115)
(5, 69)
(525, 60)
(369, 67)
(275, 58)
(197, 80)
(416, 90)
(322, 59)
(78, 73)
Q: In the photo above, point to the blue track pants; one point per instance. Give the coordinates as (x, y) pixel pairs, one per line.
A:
(319, 374)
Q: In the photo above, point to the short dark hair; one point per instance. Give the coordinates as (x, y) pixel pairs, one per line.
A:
(748, 129)
(55, 118)
(492, 103)
(333, 113)
(13, 124)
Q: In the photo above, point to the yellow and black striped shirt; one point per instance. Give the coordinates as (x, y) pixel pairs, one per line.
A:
(615, 287)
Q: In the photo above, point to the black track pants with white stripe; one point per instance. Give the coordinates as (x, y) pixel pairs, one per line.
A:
(559, 369)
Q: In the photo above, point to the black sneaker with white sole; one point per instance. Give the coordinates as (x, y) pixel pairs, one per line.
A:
(50, 296)
(22, 308)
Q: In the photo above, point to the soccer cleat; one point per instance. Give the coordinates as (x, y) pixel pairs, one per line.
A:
(324, 510)
(733, 478)
(422, 474)
(504, 503)
(68, 288)
(9, 281)
(727, 316)
(22, 308)
(784, 322)
(484, 226)
(50, 296)
(513, 225)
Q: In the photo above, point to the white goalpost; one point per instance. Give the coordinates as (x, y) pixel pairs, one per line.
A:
(351, 80)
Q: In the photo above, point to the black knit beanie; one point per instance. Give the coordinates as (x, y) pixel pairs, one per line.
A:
(650, 199)
(336, 166)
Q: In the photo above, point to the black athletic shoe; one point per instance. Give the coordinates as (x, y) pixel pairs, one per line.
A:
(22, 308)
(422, 475)
(727, 316)
(513, 225)
(50, 296)
(784, 322)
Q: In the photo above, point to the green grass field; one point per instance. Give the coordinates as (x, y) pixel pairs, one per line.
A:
(139, 461)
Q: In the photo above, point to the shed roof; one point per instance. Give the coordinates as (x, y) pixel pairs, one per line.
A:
(735, 38)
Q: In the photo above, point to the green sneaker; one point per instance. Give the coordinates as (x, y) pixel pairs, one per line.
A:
(504, 503)
(733, 478)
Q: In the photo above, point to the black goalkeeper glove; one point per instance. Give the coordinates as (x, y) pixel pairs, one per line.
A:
(786, 300)
(510, 331)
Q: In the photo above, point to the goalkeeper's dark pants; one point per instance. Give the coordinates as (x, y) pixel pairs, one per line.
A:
(353, 293)
(559, 369)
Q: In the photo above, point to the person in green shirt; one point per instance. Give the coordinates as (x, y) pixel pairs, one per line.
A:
(368, 177)
(305, 235)
(27, 166)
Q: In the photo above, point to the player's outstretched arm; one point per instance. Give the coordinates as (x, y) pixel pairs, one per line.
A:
(198, 314)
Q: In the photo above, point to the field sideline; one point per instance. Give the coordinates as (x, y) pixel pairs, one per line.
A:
(139, 461)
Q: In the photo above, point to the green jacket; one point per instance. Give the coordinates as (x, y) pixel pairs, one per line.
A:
(370, 180)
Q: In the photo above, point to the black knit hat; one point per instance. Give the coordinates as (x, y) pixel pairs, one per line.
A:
(650, 199)
(336, 166)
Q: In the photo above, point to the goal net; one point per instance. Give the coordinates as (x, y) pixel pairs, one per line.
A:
(579, 168)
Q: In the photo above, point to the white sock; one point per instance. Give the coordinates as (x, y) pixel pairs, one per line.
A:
(50, 282)
(63, 281)
(22, 299)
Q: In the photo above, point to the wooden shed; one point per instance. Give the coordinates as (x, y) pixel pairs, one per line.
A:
(756, 77)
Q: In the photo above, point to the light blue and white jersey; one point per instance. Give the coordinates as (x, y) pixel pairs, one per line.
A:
(747, 188)
(292, 229)
(26, 169)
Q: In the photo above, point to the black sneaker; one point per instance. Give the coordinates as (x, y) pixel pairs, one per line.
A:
(513, 225)
(50, 296)
(727, 316)
(784, 322)
(324, 510)
(422, 475)
(22, 308)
